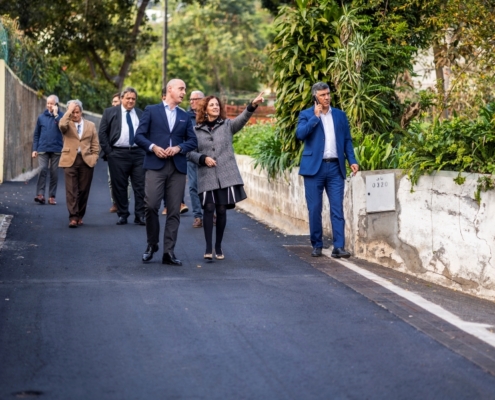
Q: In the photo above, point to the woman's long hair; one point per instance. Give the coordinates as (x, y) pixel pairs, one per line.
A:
(201, 112)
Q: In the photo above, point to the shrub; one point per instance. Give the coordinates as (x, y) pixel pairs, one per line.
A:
(246, 141)
(457, 144)
(375, 153)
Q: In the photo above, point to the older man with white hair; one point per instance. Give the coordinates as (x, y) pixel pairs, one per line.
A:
(47, 147)
(79, 157)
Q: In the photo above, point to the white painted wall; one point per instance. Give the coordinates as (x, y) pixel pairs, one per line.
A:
(438, 232)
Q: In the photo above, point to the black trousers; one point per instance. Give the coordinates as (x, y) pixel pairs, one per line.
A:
(171, 182)
(122, 164)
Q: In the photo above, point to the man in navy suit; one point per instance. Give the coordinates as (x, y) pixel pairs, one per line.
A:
(166, 133)
(125, 158)
(327, 144)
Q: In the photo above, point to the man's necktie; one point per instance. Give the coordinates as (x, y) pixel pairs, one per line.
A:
(79, 129)
(131, 128)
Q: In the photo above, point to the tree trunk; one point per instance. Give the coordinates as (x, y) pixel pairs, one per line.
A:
(91, 65)
(130, 53)
(439, 64)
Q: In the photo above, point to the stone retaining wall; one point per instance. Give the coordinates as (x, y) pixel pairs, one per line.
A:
(438, 232)
(19, 109)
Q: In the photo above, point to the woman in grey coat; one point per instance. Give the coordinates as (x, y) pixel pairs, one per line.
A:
(220, 185)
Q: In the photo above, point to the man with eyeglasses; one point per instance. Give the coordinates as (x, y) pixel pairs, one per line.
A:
(192, 168)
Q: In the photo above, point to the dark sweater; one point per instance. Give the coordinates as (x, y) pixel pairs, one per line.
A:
(47, 136)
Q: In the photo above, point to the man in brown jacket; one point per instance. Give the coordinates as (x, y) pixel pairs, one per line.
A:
(79, 156)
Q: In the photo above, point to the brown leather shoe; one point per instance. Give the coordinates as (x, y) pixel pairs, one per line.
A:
(73, 223)
(52, 201)
(183, 208)
(198, 223)
(40, 199)
(113, 209)
(164, 212)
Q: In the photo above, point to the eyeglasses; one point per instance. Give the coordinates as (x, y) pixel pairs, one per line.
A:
(197, 98)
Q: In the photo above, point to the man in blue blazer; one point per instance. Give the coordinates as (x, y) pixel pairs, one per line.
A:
(327, 144)
(166, 133)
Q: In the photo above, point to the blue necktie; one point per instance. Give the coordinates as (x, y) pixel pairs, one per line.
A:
(131, 128)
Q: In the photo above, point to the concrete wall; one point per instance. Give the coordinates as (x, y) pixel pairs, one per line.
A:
(19, 109)
(438, 232)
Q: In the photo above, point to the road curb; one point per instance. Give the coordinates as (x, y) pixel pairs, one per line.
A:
(4, 226)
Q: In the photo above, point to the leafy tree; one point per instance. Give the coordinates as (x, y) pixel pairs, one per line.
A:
(464, 40)
(50, 75)
(89, 32)
(274, 5)
(461, 35)
(212, 47)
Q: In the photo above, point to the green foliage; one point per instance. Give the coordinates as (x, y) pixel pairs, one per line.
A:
(459, 180)
(91, 32)
(212, 47)
(457, 144)
(274, 5)
(23, 56)
(375, 153)
(269, 156)
(485, 183)
(321, 41)
(248, 139)
(50, 75)
(260, 142)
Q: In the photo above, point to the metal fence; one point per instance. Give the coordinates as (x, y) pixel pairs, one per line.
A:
(4, 44)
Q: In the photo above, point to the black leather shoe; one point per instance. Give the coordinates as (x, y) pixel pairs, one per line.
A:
(316, 252)
(148, 254)
(140, 220)
(340, 253)
(169, 258)
(122, 221)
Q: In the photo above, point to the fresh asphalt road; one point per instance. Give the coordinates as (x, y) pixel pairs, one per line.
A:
(81, 317)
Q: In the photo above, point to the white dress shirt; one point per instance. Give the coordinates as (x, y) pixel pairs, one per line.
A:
(79, 130)
(124, 132)
(171, 117)
(330, 141)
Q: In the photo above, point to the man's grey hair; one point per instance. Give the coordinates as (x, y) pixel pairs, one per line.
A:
(77, 101)
(54, 96)
(128, 89)
(198, 92)
(319, 86)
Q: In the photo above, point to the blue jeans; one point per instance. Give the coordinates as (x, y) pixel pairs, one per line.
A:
(328, 178)
(48, 161)
(192, 177)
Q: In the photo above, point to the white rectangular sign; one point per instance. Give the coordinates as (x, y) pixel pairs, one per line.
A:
(380, 193)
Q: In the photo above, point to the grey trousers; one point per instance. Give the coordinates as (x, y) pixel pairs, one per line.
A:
(171, 182)
(48, 161)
